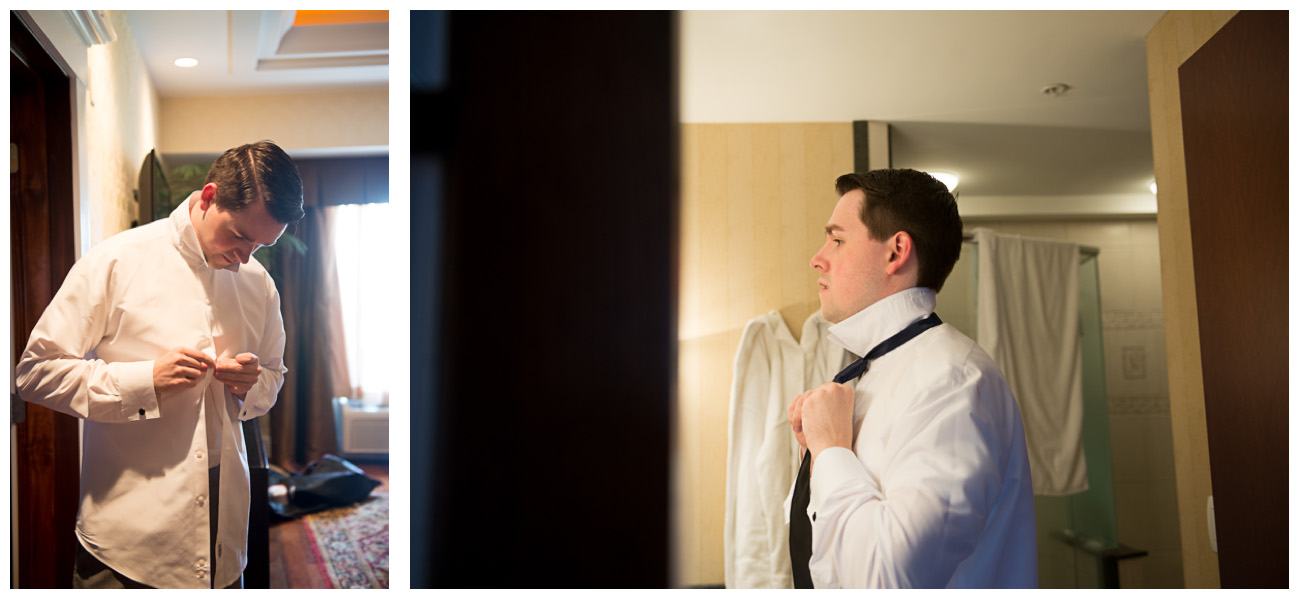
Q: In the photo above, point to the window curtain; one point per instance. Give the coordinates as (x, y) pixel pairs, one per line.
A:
(302, 421)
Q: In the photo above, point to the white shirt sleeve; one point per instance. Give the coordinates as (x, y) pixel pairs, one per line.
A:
(55, 370)
(923, 515)
(261, 397)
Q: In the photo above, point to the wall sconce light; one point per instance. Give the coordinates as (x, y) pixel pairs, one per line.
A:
(1153, 187)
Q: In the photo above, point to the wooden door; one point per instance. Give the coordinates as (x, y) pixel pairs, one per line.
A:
(1234, 108)
(41, 250)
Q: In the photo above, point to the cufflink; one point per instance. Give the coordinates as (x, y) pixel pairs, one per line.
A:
(142, 412)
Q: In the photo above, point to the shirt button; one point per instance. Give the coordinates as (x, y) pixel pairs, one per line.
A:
(202, 501)
(199, 455)
(201, 564)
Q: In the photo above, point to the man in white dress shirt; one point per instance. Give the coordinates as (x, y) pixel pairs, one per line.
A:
(920, 475)
(163, 339)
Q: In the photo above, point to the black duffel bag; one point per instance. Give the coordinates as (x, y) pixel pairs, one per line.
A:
(327, 483)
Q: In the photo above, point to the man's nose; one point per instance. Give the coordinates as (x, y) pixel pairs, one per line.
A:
(817, 263)
(246, 252)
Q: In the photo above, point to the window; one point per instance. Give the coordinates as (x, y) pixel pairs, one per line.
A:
(364, 255)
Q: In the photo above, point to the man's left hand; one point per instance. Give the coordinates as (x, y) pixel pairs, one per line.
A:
(828, 417)
(239, 373)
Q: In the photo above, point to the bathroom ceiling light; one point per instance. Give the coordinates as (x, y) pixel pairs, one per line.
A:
(1153, 187)
(948, 179)
(1055, 90)
(186, 63)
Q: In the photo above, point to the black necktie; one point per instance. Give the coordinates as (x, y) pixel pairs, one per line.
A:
(800, 526)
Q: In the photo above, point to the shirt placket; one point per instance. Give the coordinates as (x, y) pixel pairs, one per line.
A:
(204, 563)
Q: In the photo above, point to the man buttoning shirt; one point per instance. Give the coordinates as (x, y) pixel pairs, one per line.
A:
(919, 472)
(163, 338)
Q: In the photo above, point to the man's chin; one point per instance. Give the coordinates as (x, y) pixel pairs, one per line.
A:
(831, 317)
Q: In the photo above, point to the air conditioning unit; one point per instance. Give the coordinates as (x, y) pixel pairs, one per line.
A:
(362, 428)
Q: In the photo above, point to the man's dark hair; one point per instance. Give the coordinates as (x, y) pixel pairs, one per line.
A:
(260, 171)
(916, 203)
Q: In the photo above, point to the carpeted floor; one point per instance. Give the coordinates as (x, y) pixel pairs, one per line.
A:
(350, 544)
(296, 562)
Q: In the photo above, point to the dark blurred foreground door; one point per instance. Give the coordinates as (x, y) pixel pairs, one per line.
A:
(543, 295)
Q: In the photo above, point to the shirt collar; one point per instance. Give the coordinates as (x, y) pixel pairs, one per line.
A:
(186, 238)
(874, 324)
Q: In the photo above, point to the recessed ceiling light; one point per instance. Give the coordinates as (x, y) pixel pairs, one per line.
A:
(947, 179)
(186, 63)
(1056, 89)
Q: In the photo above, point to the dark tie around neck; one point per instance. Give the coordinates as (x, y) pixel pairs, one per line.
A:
(800, 526)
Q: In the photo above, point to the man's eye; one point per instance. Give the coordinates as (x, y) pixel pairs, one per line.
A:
(838, 241)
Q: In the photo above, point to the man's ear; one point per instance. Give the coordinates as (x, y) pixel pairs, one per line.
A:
(208, 197)
(900, 250)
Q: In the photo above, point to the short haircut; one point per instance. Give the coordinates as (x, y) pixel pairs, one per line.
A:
(915, 203)
(260, 171)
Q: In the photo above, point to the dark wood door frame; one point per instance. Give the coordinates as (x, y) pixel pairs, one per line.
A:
(42, 250)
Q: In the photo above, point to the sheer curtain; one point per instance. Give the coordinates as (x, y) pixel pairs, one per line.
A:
(364, 257)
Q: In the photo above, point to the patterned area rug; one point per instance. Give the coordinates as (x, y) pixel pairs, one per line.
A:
(351, 543)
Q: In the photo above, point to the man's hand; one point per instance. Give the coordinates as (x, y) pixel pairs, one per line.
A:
(239, 373)
(795, 414)
(179, 369)
(826, 417)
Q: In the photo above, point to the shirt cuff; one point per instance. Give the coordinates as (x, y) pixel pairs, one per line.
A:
(835, 466)
(252, 406)
(135, 383)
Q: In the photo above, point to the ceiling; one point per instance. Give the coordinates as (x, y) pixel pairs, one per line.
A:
(962, 90)
(262, 52)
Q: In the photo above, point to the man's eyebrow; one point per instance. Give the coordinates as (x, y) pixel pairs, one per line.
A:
(831, 229)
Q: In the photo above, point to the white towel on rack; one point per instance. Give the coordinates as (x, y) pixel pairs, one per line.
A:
(1029, 323)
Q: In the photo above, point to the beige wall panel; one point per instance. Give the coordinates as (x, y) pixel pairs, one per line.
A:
(713, 228)
(689, 288)
(294, 121)
(719, 355)
(796, 287)
(739, 268)
(755, 198)
(766, 195)
(1173, 40)
(687, 539)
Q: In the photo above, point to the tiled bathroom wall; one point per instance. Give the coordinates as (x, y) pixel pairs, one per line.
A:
(1137, 387)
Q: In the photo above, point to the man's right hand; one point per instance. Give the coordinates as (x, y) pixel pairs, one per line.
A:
(179, 369)
(795, 415)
